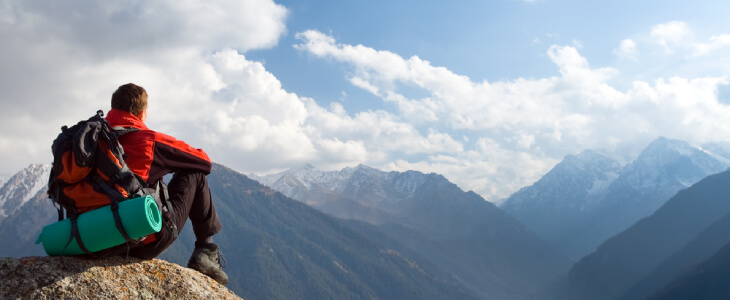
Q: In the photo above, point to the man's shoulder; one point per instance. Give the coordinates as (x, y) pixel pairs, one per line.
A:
(170, 141)
(165, 138)
(152, 136)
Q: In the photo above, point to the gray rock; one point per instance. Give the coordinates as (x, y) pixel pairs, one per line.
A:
(109, 278)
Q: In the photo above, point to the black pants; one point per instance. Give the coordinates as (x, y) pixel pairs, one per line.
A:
(190, 198)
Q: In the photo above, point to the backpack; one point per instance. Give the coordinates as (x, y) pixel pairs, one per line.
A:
(89, 172)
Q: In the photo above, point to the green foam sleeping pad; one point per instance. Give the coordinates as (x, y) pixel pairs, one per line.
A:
(140, 217)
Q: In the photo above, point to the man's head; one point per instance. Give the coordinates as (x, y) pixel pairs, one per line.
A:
(132, 99)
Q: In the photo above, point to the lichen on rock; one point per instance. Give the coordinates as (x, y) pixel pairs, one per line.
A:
(108, 278)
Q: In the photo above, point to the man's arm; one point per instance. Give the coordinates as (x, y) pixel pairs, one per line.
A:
(172, 155)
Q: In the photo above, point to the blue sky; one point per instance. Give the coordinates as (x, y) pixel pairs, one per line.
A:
(491, 94)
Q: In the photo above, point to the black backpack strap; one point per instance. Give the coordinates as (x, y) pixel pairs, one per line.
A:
(118, 221)
(76, 234)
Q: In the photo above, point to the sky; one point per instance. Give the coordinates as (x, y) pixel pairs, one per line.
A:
(491, 94)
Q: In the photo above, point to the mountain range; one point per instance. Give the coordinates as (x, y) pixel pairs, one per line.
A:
(459, 231)
(589, 197)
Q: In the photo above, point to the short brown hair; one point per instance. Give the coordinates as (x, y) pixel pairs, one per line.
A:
(130, 98)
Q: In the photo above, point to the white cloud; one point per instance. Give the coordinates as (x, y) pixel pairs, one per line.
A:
(627, 49)
(62, 61)
(442, 142)
(670, 34)
(529, 124)
(715, 43)
(677, 35)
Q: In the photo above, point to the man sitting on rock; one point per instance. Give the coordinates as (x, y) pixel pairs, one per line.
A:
(152, 155)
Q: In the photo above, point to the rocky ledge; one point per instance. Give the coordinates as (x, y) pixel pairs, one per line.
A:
(109, 278)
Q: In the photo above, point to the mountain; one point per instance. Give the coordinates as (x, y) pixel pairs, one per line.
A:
(25, 224)
(588, 198)
(323, 190)
(362, 192)
(703, 246)
(458, 231)
(110, 278)
(626, 259)
(558, 206)
(24, 210)
(278, 248)
(707, 281)
(21, 187)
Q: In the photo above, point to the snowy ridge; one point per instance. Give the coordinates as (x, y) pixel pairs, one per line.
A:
(392, 186)
(409, 182)
(601, 184)
(648, 171)
(22, 187)
(305, 175)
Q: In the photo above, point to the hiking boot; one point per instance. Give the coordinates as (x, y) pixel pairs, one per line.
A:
(206, 259)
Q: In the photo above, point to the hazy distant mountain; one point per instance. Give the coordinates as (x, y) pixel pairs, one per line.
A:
(558, 205)
(20, 229)
(334, 192)
(626, 259)
(22, 187)
(24, 210)
(276, 248)
(458, 231)
(588, 198)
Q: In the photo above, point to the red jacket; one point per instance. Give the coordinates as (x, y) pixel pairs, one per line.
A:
(151, 154)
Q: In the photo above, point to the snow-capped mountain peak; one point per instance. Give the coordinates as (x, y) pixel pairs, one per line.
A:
(668, 162)
(574, 183)
(23, 186)
(361, 182)
(663, 149)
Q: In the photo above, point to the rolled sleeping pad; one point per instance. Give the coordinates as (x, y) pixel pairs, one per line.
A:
(140, 217)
